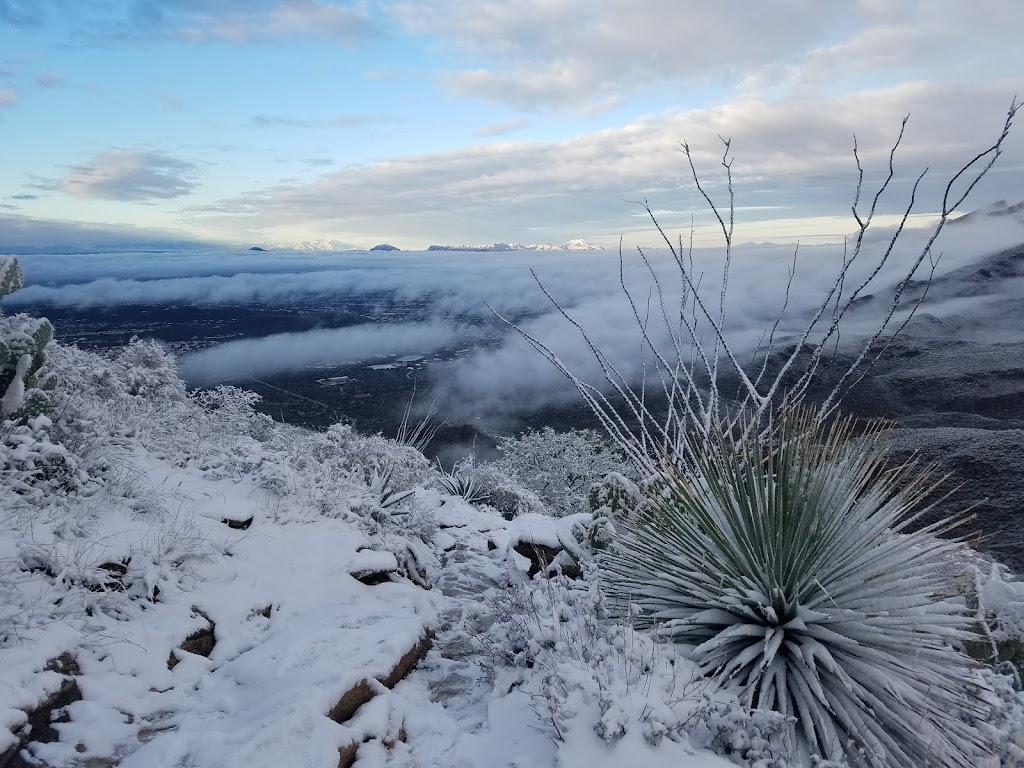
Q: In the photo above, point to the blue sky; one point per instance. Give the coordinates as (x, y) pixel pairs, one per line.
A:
(479, 120)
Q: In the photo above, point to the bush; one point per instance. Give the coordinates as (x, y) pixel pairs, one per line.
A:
(787, 565)
(543, 471)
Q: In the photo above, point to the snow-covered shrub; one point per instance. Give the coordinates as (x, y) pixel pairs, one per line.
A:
(747, 736)
(788, 566)
(150, 371)
(583, 667)
(32, 463)
(592, 677)
(1002, 721)
(558, 468)
(495, 487)
(998, 601)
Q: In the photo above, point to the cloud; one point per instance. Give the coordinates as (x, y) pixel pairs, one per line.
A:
(268, 355)
(26, 233)
(248, 21)
(502, 374)
(538, 54)
(238, 21)
(341, 121)
(572, 52)
(131, 176)
(21, 13)
(50, 80)
(793, 155)
(500, 129)
(24, 197)
(8, 97)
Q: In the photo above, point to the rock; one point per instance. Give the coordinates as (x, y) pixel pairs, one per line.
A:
(373, 567)
(40, 728)
(201, 642)
(539, 555)
(362, 692)
(257, 248)
(385, 247)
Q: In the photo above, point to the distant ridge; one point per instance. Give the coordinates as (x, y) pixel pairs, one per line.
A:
(572, 245)
(321, 246)
(998, 209)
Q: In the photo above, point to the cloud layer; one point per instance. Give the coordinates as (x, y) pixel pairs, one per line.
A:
(503, 375)
(131, 176)
(795, 157)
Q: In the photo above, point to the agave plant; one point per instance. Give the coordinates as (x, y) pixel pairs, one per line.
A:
(787, 563)
(457, 483)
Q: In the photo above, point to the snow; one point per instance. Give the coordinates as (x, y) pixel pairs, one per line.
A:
(521, 672)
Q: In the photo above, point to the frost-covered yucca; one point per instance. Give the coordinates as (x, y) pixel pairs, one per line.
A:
(787, 564)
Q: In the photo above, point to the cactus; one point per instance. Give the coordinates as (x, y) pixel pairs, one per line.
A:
(11, 278)
(25, 383)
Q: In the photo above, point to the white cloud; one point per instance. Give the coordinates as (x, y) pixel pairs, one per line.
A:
(532, 54)
(794, 156)
(242, 22)
(131, 175)
(500, 129)
(8, 97)
(268, 355)
(573, 52)
(502, 375)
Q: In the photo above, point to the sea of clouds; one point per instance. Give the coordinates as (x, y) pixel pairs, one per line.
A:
(462, 292)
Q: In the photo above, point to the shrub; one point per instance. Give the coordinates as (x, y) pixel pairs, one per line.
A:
(553, 468)
(788, 566)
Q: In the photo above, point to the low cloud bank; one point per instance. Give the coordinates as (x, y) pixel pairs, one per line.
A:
(509, 376)
(282, 352)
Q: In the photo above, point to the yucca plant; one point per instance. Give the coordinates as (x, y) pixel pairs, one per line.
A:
(788, 564)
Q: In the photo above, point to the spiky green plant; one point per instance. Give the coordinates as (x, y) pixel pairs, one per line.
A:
(789, 566)
(459, 484)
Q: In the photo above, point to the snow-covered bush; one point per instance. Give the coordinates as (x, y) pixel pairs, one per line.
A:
(998, 601)
(788, 566)
(542, 471)
(150, 371)
(591, 677)
(495, 487)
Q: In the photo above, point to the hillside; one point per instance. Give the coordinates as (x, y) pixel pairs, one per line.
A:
(186, 582)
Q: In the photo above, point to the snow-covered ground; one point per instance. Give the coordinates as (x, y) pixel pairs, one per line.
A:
(140, 522)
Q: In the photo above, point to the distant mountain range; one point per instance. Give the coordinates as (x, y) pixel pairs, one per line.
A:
(320, 246)
(572, 245)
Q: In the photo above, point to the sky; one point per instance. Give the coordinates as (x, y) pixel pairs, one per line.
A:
(474, 121)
